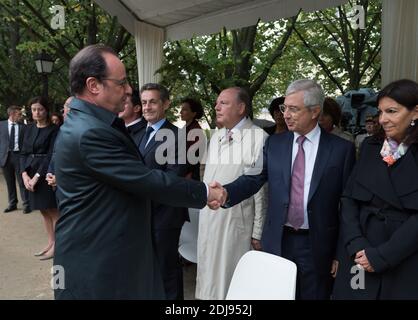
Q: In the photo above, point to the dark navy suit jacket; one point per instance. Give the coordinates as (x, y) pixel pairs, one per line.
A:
(4, 140)
(163, 216)
(333, 164)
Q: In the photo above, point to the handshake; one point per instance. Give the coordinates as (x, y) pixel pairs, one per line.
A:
(217, 195)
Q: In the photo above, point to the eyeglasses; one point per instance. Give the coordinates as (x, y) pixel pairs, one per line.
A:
(122, 82)
(291, 109)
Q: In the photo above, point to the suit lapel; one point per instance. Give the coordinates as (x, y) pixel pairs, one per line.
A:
(404, 175)
(286, 150)
(322, 156)
(374, 175)
(153, 143)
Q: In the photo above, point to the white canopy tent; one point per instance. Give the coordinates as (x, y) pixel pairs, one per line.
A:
(153, 22)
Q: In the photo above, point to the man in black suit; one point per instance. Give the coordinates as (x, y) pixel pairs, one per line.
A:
(103, 247)
(306, 169)
(11, 137)
(132, 115)
(167, 221)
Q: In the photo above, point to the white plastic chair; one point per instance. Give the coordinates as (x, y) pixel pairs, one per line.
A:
(263, 276)
(188, 237)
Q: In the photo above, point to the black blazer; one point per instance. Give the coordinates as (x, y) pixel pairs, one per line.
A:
(380, 215)
(136, 130)
(103, 235)
(4, 140)
(164, 216)
(333, 164)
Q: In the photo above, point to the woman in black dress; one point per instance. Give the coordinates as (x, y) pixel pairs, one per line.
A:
(191, 112)
(38, 144)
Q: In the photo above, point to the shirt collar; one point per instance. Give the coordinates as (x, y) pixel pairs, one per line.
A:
(237, 126)
(133, 122)
(156, 126)
(93, 110)
(312, 136)
(10, 123)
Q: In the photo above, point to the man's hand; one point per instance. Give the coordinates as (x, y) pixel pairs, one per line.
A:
(334, 268)
(217, 195)
(50, 178)
(362, 260)
(256, 244)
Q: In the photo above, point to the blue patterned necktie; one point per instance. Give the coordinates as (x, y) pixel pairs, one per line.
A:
(145, 138)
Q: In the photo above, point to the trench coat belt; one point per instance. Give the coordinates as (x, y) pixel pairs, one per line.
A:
(38, 155)
(385, 214)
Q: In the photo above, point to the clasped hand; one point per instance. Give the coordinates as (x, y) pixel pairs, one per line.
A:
(361, 259)
(217, 195)
(29, 182)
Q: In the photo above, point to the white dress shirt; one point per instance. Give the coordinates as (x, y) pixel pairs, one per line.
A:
(16, 148)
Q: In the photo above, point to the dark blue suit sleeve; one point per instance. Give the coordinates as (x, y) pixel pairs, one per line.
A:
(246, 185)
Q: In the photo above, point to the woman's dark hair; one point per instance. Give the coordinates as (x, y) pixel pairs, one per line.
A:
(333, 109)
(404, 92)
(195, 106)
(42, 101)
(59, 116)
(275, 105)
(88, 62)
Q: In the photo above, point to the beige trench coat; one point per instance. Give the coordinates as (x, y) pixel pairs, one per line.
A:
(225, 235)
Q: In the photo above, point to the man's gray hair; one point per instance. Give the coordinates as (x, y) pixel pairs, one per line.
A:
(313, 95)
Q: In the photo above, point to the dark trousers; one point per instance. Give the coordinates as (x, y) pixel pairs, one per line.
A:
(11, 172)
(166, 243)
(309, 284)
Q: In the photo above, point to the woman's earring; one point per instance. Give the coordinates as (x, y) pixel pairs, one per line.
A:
(413, 122)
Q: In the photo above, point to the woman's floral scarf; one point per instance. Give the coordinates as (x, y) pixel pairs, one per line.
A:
(392, 151)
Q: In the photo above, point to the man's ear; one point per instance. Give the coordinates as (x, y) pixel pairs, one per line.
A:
(137, 108)
(316, 112)
(93, 85)
(166, 105)
(241, 108)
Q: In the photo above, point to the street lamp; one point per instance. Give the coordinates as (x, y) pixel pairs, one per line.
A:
(44, 64)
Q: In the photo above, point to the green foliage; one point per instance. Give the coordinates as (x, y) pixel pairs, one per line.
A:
(203, 66)
(25, 31)
(322, 46)
(339, 56)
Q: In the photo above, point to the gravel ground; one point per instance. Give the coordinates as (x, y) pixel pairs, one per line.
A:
(23, 276)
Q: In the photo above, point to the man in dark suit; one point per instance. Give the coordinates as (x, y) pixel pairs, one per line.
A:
(132, 115)
(167, 221)
(306, 169)
(11, 137)
(103, 246)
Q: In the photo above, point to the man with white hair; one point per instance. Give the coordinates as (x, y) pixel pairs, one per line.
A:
(306, 169)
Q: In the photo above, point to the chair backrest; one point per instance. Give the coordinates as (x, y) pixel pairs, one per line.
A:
(263, 276)
(188, 237)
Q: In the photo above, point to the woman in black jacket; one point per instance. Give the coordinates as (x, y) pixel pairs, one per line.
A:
(379, 226)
